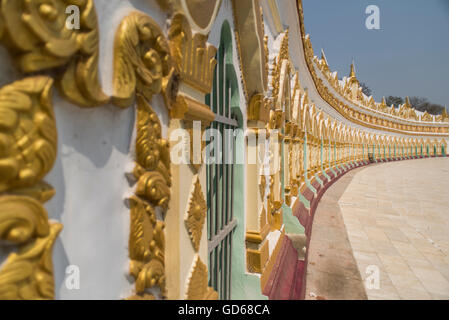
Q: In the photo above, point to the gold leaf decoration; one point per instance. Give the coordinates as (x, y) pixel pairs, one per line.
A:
(259, 108)
(27, 132)
(196, 215)
(27, 274)
(21, 219)
(197, 284)
(277, 64)
(143, 68)
(146, 240)
(146, 246)
(35, 31)
(195, 59)
(28, 141)
(142, 62)
(152, 157)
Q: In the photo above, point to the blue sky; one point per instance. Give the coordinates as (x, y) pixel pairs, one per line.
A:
(408, 56)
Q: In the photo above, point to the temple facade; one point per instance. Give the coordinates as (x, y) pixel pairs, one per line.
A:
(176, 149)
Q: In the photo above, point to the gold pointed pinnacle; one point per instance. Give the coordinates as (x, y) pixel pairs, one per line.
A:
(352, 73)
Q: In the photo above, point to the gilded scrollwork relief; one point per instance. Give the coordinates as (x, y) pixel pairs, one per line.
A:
(35, 32)
(152, 172)
(28, 140)
(142, 69)
(142, 62)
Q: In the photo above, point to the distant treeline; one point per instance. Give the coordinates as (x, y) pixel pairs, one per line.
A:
(418, 103)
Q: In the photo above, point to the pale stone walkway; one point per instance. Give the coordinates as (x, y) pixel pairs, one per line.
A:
(395, 217)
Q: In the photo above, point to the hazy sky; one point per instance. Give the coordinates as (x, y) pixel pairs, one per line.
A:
(408, 56)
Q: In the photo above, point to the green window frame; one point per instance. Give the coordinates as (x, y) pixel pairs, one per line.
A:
(220, 177)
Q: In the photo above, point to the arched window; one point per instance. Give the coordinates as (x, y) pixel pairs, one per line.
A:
(221, 177)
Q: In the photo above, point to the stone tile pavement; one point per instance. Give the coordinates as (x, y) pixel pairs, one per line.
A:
(392, 218)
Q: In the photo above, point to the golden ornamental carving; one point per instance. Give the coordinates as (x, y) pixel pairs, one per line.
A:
(197, 288)
(143, 68)
(27, 274)
(142, 62)
(196, 215)
(27, 132)
(28, 138)
(267, 56)
(194, 57)
(426, 117)
(152, 171)
(259, 108)
(444, 117)
(38, 39)
(146, 247)
(278, 65)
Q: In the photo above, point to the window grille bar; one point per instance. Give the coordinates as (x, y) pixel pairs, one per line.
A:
(218, 238)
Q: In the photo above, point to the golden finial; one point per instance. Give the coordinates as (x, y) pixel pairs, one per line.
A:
(352, 73)
(407, 102)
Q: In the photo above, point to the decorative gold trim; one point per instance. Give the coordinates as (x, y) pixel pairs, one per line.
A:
(256, 259)
(197, 288)
(259, 108)
(194, 57)
(278, 65)
(193, 110)
(29, 139)
(196, 215)
(39, 40)
(257, 236)
(142, 62)
(152, 171)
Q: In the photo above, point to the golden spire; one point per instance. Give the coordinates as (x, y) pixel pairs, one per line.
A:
(352, 73)
(352, 77)
(407, 102)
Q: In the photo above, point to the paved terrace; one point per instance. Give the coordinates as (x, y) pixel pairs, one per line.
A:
(391, 215)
